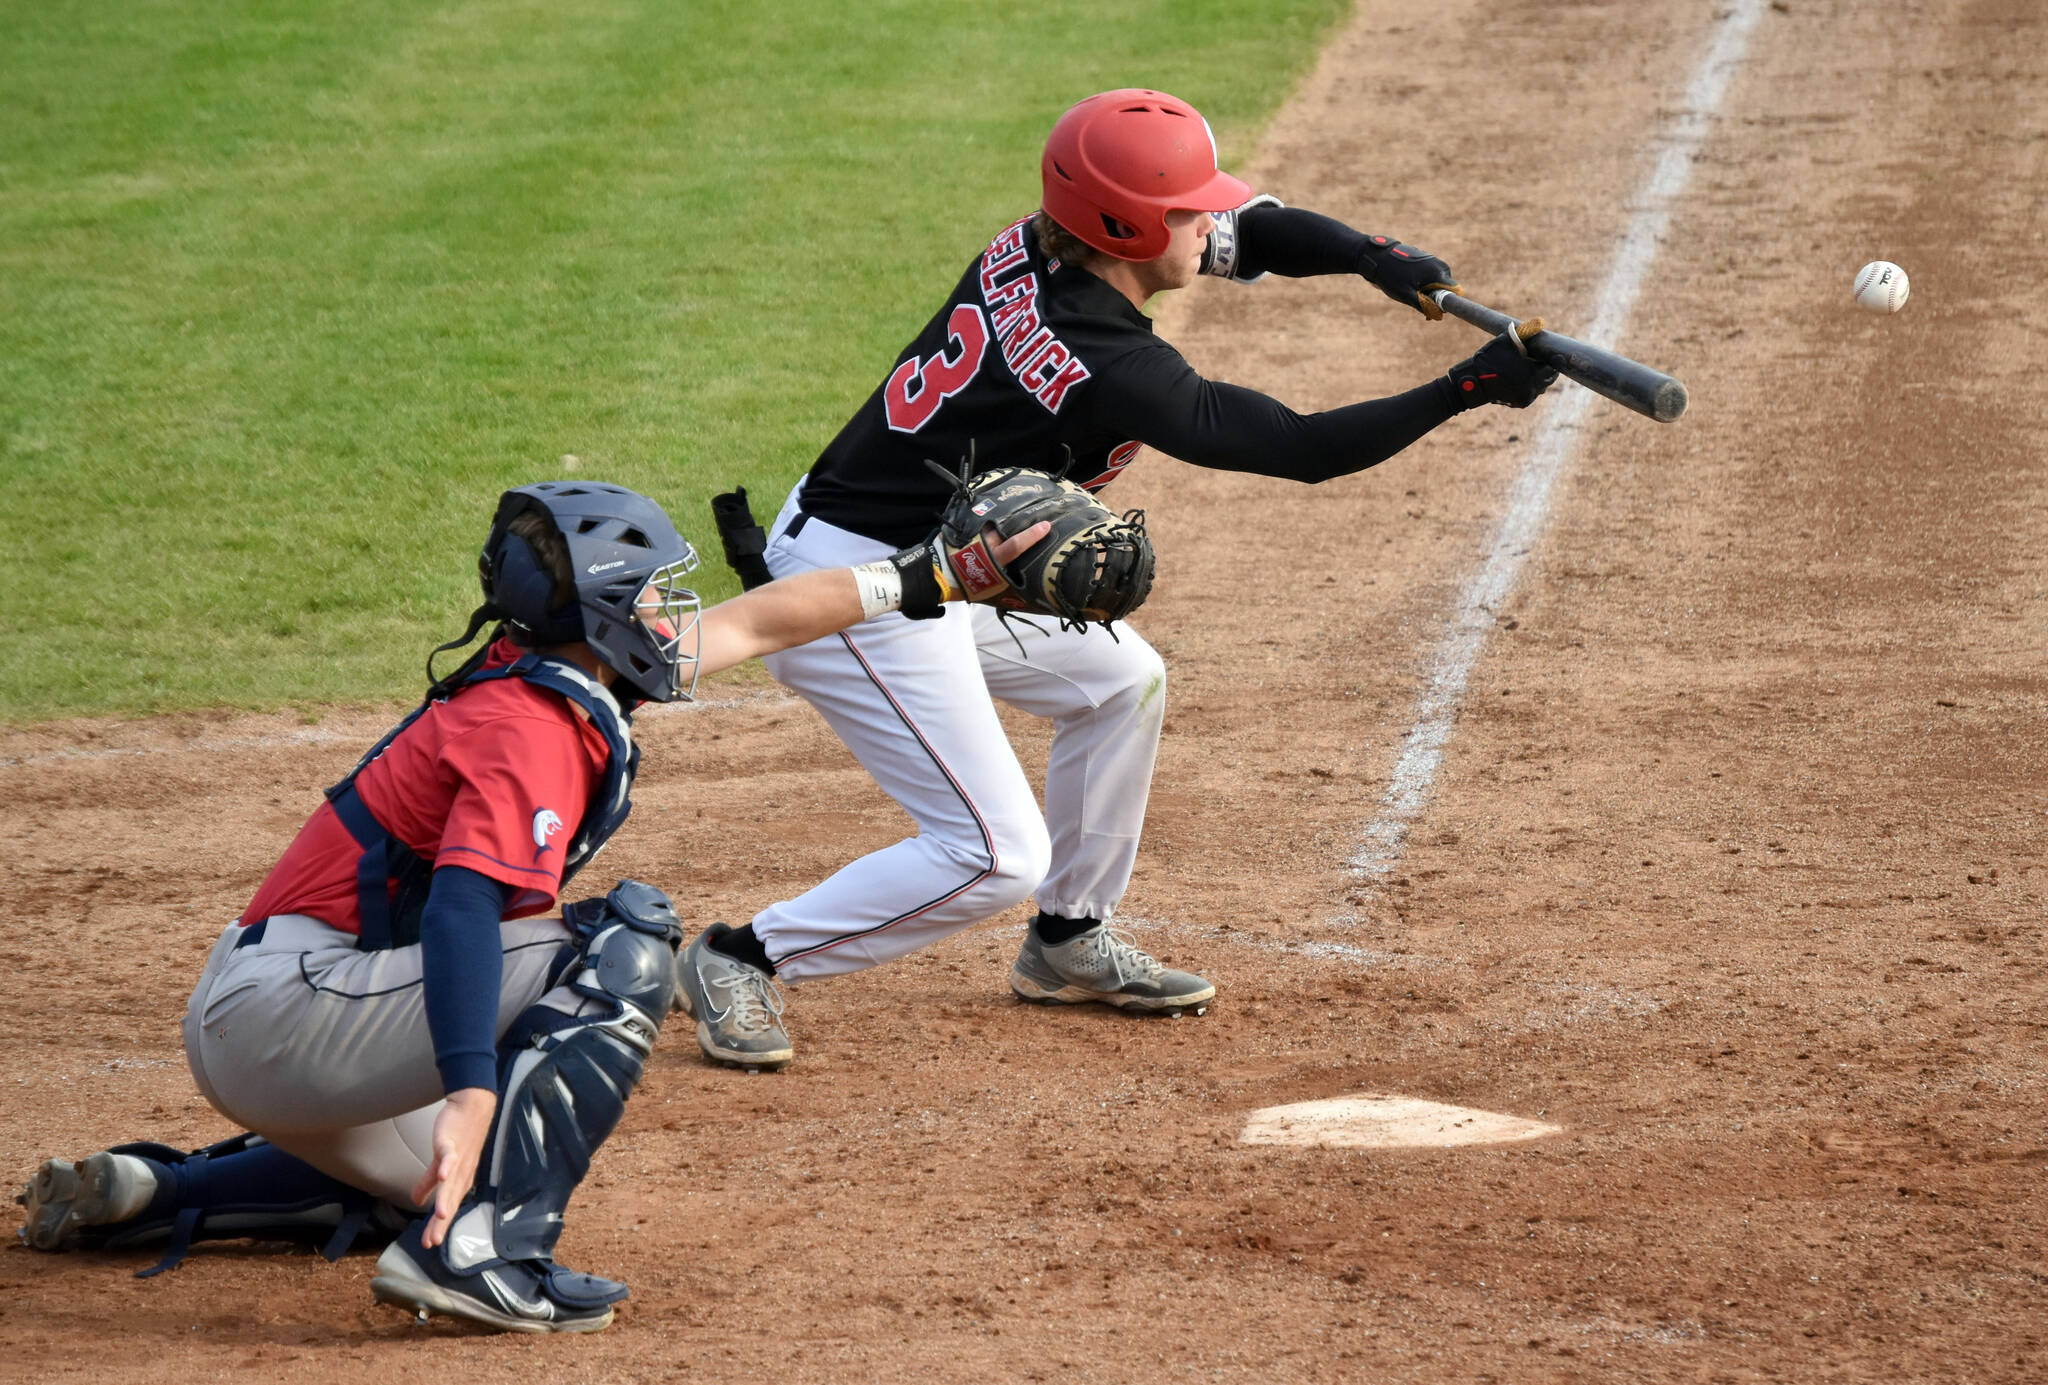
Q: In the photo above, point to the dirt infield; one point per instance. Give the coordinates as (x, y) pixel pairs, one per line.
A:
(1732, 868)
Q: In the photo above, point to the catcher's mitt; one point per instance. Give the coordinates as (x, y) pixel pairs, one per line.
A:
(1095, 566)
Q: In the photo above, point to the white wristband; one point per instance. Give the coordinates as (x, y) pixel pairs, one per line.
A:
(881, 588)
(1219, 255)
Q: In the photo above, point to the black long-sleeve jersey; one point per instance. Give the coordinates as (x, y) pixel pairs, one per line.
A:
(1030, 356)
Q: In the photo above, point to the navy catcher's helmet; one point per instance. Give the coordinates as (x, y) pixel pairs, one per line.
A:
(628, 562)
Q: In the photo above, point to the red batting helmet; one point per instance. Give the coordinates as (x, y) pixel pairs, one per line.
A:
(1117, 163)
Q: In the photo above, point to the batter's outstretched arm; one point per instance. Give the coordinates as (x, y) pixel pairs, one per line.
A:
(1157, 397)
(1297, 244)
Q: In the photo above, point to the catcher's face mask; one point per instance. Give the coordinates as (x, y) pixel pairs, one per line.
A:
(671, 616)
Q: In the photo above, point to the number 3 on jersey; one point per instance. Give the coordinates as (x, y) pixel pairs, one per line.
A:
(916, 390)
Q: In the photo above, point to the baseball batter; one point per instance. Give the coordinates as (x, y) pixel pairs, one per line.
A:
(419, 1045)
(1042, 357)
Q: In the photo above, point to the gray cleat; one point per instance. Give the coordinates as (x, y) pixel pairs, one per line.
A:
(65, 1197)
(738, 1007)
(1104, 965)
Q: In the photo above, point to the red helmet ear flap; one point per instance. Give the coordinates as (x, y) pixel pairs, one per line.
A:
(1118, 162)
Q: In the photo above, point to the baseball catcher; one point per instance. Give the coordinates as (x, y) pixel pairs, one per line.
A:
(1041, 351)
(425, 1049)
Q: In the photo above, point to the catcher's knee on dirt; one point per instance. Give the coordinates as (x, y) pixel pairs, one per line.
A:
(147, 1195)
(565, 1070)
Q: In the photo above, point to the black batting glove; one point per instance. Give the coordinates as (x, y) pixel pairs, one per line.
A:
(925, 590)
(1500, 373)
(1406, 274)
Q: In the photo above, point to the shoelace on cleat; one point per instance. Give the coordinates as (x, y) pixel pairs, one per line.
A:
(1122, 952)
(755, 999)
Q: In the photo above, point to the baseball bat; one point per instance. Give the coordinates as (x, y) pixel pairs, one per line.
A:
(1628, 383)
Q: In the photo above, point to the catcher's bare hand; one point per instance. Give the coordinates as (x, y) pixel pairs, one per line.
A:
(459, 1133)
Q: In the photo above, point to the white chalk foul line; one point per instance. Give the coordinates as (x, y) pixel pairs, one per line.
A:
(1550, 448)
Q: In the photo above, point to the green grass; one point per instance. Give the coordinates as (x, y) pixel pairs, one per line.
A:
(290, 291)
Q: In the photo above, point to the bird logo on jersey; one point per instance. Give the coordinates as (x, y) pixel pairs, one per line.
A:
(545, 824)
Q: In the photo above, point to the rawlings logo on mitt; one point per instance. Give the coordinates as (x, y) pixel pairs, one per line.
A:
(1094, 567)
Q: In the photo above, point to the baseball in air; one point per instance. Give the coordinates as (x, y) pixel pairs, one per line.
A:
(1881, 287)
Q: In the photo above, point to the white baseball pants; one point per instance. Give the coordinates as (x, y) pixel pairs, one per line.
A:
(912, 701)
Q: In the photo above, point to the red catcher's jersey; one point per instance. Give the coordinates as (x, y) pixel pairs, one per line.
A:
(494, 779)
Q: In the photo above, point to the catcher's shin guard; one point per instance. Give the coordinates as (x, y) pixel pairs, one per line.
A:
(564, 1080)
(565, 1086)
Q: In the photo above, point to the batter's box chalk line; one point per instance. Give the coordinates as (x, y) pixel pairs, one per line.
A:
(1349, 953)
(1577, 1002)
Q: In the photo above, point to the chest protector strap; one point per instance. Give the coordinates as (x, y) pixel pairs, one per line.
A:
(392, 879)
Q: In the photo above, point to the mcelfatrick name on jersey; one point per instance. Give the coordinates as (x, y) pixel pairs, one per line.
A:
(1041, 361)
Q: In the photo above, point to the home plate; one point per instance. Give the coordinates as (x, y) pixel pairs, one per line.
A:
(1386, 1122)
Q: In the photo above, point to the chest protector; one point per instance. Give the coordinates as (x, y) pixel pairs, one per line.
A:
(392, 879)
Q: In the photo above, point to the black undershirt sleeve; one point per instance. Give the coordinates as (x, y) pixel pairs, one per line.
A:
(1155, 396)
(1296, 244)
